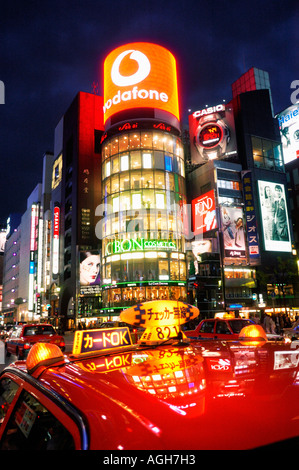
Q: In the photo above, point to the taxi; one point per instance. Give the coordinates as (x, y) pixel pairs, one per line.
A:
(24, 336)
(163, 393)
(219, 328)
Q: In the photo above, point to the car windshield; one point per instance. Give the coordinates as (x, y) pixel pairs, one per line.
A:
(237, 325)
(39, 330)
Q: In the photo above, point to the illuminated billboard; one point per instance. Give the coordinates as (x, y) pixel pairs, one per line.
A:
(274, 213)
(289, 130)
(204, 213)
(140, 75)
(233, 232)
(212, 134)
(90, 264)
(56, 230)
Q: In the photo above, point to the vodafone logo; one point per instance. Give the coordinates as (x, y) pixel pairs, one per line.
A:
(140, 75)
(144, 68)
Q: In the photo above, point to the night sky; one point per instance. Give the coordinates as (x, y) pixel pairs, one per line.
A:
(50, 50)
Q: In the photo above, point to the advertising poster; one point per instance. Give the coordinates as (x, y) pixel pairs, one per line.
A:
(289, 130)
(204, 213)
(251, 221)
(274, 214)
(233, 232)
(90, 271)
(212, 134)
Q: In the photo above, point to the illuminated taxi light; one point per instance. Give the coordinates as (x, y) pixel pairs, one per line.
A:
(43, 354)
(253, 332)
(161, 318)
(103, 339)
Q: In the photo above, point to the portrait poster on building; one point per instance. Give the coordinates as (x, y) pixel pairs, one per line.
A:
(233, 232)
(274, 214)
(89, 271)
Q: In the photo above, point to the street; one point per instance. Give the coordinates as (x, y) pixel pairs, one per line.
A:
(6, 361)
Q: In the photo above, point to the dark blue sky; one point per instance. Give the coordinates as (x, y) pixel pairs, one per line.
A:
(50, 50)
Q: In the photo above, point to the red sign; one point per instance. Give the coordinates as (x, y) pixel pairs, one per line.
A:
(204, 213)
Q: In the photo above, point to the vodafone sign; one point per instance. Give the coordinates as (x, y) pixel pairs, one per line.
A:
(140, 75)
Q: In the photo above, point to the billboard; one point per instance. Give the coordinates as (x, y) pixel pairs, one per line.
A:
(251, 220)
(212, 134)
(233, 232)
(289, 130)
(140, 75)
(274, 215)
(90, 268)
(204, 213)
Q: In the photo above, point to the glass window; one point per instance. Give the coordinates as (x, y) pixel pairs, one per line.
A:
(169, 179)
(222, 328)
(146, 140)
(147, 179)
(136, 201)
(158, 141)
(174, 270)
(33, 427)
(207, 327)
(168, 144)
(148, 199)
(114, 146)
(108, 169)
(136, 180)
(124, 181)
(182, 270)
(115, 184)
(124, 162)
(115, 164)
(125, 203)
(159, 180)
(123, 143)
(168, 162)
(134, 140)
(159, 160)
(135, 160)
(8, 390)
(115, 204)
(163, 270)
(147, 160)
(160, 200)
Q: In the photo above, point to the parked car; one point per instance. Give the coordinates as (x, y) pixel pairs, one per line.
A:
(216, 328)
(24, 336)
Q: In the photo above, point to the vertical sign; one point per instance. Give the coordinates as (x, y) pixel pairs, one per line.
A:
(251, 222)
(33, 249)
(55, 262)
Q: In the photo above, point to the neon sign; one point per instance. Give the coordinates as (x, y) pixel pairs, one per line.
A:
(140, 75)
(141, 244)
(89, 341)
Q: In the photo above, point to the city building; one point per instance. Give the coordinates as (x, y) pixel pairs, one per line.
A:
(236, 179)
(143, 182)
(75, 195)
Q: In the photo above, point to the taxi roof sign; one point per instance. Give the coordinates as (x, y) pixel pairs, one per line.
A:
(161, 318)
(103, 339)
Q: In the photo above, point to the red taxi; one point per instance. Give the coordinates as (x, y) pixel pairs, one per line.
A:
(218, 328)
(164, 393)
(24, 336)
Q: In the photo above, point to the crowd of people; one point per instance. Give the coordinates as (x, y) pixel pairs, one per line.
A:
(275, 324)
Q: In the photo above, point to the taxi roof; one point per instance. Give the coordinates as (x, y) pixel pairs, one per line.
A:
(168, 392)
(211, 395)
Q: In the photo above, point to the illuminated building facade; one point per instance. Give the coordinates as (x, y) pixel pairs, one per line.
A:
(143, 181)
(240, 262)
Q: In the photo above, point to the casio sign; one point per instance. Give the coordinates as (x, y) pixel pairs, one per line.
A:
(210, 110)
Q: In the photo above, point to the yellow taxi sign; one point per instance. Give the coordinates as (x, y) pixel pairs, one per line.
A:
(161, 318)
(103, 339)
